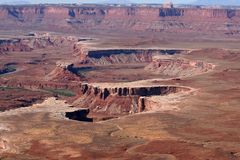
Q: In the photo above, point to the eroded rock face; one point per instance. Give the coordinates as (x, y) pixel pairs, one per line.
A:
(178, 67)
(153, 19)
(13, 45)
(25, 44)
(63, 73)
(157, 65)
(33, 41)
(110, 101)
(171, 12)
(121, 56)
(120, 100)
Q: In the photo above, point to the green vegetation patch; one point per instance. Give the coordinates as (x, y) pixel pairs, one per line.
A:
(3, 88)
(80, 71)
(8, 69)
(61, 92)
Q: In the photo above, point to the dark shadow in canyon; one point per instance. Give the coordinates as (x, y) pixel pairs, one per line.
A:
(79, 115)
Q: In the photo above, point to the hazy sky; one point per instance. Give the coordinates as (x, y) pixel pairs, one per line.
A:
(214, 2)
(95, 1)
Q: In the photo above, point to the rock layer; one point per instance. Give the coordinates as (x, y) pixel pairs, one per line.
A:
(121, 56)
(62, 73)
(121, 100)
(178, 67)
(135, 18)
(29, 43)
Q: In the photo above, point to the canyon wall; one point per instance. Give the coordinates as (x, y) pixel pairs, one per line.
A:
(138, 18)
(120, 56)
(178, 67)
(121, 100)
(27, 43)
(33, 41)
(13, 45)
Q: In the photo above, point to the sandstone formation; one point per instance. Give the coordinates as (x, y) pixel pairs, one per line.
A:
(111, 101)
(178, 67)
(130, 66)
(13, 45)
(121, 100)
(152, 57)
(62, 72)
(134, 18)
(121, 56)
(32, 41)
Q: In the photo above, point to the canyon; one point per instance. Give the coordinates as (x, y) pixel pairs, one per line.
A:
(190, 21)
(123, 100)
(119, 82)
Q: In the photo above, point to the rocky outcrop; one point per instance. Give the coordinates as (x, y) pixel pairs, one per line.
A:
(80, 51)
(134, 18)
(178, 67)
(152, 57)
(121, 56)
(103, 93)
(120, 100)
(13, 45)
(63, 73)
(31, 42)
(171, 12)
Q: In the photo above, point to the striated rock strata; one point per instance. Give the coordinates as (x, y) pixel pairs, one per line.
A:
(120, 100)
(178, 67)
(63, 73)
(29, 43)
(121, 56)
(134, 18)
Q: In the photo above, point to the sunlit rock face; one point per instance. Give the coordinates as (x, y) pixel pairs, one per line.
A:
(152, 19)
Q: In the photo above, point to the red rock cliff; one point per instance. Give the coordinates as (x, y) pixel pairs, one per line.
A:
(75, 18)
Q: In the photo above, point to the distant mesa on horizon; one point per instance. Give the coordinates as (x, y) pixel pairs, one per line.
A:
(117, 2)
(127, 2)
